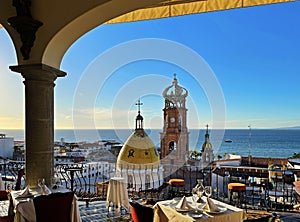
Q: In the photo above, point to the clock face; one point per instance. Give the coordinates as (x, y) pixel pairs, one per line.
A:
(172, 119)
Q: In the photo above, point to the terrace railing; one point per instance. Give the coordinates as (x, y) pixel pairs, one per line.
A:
(90, 182)
(9, 173)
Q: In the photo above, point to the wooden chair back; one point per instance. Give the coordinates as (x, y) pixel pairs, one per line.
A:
(55, 207)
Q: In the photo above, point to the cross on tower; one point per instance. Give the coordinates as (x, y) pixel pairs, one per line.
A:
(139, 104)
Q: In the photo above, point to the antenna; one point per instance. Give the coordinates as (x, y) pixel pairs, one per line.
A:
(249, 143)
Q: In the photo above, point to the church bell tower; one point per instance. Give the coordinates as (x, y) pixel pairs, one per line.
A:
(207, 153)
(174, 140)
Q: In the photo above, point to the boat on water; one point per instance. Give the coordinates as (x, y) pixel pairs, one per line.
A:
(228, 141)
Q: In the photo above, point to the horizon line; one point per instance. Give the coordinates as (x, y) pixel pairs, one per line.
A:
(204, 128)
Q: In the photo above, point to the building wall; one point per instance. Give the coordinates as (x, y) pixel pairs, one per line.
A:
(6, 147)
(142, 179)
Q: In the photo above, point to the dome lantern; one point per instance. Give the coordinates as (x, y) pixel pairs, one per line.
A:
(139, 118)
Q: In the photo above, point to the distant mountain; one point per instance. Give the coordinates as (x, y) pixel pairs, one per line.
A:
(290, 128)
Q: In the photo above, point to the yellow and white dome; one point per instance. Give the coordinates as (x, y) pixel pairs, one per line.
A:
(139, 150)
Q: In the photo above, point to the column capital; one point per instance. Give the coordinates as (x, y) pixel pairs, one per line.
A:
(40, 72)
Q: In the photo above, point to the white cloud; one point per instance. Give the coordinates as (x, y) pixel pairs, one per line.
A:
(11, 123)
(103, 118)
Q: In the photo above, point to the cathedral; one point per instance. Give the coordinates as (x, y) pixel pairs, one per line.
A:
(207, 154)
(140, 163)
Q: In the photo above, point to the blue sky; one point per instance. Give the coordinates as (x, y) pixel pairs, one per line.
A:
(246, 58)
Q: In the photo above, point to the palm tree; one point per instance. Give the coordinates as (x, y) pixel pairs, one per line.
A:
(194, 154)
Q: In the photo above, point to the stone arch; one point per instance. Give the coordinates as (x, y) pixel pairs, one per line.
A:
(60, 30)
(66, 36)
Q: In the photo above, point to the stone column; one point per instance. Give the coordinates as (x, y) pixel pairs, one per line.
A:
(39, 120)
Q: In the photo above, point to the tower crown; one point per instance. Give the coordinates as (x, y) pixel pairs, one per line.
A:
(175, 95)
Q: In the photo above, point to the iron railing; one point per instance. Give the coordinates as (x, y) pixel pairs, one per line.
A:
(90, 182)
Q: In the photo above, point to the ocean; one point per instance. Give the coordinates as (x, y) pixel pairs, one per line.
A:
(257, 142)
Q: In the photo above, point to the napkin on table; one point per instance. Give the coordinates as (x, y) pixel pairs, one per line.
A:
(45, 190)
(25, 193)
(183, 204)
(210, 206)
(167, 214)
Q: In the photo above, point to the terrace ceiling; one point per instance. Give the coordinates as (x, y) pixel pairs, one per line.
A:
(66, 21)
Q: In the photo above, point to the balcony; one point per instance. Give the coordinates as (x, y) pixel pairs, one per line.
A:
(91, 182)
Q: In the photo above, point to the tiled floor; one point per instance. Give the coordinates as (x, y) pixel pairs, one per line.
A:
(97, 212)
(289, 217)
(4, 207)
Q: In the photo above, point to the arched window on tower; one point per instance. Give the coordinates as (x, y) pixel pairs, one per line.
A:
(172, 146)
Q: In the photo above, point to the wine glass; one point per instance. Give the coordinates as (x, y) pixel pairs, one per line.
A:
(195, 198)
(208, 191)
(41, 182)
(55, 183)
(200, 191)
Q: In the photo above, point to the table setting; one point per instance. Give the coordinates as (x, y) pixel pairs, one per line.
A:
(196, 208)
(22, 206)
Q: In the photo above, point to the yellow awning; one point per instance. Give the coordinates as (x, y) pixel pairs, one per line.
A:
(171, 8)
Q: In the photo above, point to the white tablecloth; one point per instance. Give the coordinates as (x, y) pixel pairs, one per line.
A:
(117, 193)
(233, 214)
(24, 208)
(2, 187)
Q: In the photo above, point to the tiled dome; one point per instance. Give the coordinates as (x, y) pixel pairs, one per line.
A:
(139, 150)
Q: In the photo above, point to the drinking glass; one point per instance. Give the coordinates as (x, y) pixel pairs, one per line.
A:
(208, 191)
(200, 191)
(55, 183)
(195, 198)
(41, 182)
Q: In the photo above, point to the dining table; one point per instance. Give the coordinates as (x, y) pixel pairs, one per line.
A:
(23, 207)
(117, 194)
(166, 211)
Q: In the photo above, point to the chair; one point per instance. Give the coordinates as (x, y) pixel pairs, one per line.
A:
(4, 197)
(296, 195)
(53, 207)
(140, 213)
(177, 185)
(6, 219)
(18, 184)
(4, 193)
(21, 173)
(238, 188)
(102, 187)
